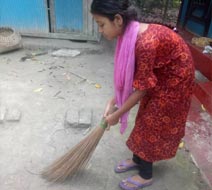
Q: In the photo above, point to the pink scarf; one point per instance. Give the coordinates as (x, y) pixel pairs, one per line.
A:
(124, 68)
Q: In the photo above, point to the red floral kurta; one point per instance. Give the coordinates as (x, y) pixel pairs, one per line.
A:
(164, 69)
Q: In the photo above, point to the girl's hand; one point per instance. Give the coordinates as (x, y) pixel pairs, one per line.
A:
(112, 119)
(109, 106)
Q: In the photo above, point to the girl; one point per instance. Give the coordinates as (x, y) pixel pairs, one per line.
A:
(153, 66)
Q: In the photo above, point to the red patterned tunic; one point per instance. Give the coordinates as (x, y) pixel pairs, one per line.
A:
(164, 69)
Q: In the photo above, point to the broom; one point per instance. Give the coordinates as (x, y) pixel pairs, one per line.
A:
(77, 157)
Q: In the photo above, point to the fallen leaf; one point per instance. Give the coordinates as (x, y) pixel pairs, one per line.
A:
(38, 90)
(98, 86)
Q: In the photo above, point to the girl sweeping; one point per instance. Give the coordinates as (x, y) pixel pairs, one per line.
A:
(153, 66)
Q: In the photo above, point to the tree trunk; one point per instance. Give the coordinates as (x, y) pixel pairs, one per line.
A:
(165, 10)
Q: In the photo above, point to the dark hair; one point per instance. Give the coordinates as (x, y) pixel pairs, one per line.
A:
(109, 8)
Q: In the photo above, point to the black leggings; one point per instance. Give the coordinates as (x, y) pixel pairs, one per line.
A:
(145, 168)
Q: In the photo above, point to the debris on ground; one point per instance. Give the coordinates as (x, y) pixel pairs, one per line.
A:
(38, 90)
(66, 53)
(32, 55)
(207, 49)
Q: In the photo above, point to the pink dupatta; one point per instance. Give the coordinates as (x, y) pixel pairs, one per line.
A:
(124, 68)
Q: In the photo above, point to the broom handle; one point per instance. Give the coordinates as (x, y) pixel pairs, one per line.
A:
(103, 122)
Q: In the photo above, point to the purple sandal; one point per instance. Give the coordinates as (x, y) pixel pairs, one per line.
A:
(125, 167)
(137, 186)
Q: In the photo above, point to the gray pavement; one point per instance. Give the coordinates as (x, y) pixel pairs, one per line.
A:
(39, 94)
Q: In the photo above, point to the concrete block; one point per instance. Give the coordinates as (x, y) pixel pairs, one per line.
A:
(85, 118)
(13, 115)
(78, 118)
(72, 118)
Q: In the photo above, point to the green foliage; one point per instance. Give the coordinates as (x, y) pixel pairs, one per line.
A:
(162, 6)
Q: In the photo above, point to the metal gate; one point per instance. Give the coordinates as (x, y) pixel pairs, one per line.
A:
(67, 19)
(24, 15)
(68, 16)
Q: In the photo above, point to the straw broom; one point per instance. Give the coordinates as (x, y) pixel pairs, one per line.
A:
(77, 157)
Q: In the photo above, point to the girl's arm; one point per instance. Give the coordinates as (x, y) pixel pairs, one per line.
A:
(130, 102)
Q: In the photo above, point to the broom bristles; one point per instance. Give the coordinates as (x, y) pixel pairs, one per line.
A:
(75, 159)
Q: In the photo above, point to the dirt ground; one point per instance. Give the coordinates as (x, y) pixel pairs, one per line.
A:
(39, 90)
